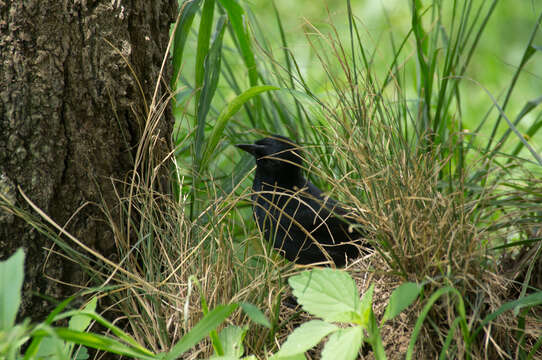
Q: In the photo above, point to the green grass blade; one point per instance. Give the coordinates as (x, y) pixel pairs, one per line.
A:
(534, 349)
(212, 74)
(517, 244)
(236, 16)
(208, 323)
(204, 37)
(478, 36)
(255, 314)
(533, 129)
(96, 341)
(188, 11)
(527, 279)
(35, 344)
(514, 129)
(448, 340)
(528, 53)
(105, 323)
(45, 345)
(424, 87)
(287, 59)
(375, 339)
(425, 311)
(528, 301)
(226, 114)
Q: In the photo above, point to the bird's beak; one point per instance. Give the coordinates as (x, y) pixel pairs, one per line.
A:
(250, 148)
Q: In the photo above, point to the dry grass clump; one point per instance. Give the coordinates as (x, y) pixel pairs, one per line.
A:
(180, 261)
(427, 229)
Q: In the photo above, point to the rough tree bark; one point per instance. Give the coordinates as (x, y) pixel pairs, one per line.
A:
(68, 101)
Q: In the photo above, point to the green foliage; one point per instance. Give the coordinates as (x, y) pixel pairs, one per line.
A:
(208, 61)
(468, 332)
(236, 15)
(11, 283)
(333, 296)
(49, 346)
(180, 35)
(226, 114)
(255, 314)
(329, 294)
(400, 299)
(442, 190)
(333, 303)
(207, 324)
(393, 128)
(232, 337)
(305, 337)
(343, 344)
(48, 341)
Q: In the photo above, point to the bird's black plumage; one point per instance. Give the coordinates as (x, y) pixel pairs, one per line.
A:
(306, 226)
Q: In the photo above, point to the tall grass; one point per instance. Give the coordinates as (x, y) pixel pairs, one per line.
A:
(441, 206)
(437, 200)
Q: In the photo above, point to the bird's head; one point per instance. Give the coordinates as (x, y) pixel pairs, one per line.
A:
(275, 155)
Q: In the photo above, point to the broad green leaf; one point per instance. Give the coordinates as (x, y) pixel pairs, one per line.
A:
(81, 354)
(305, 337)
(81, 322)
(232, 338)
(51, 348)
(400, 299)
(209, 322)
(343, 344)
(327, 293)
(226, 114)
(294, 357)
(255, 314)
(188, 10)
(11, 284)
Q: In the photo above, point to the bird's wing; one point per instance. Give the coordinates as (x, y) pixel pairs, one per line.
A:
(320, 215)
(319, 228)
(329, 206)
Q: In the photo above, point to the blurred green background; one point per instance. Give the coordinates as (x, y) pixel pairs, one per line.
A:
(492, 66)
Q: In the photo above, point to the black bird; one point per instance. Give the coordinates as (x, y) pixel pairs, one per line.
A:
(306, 226)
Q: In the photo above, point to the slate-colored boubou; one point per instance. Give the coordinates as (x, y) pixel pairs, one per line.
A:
(305, 226)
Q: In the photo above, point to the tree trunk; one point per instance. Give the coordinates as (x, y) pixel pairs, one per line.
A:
(71, 115)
